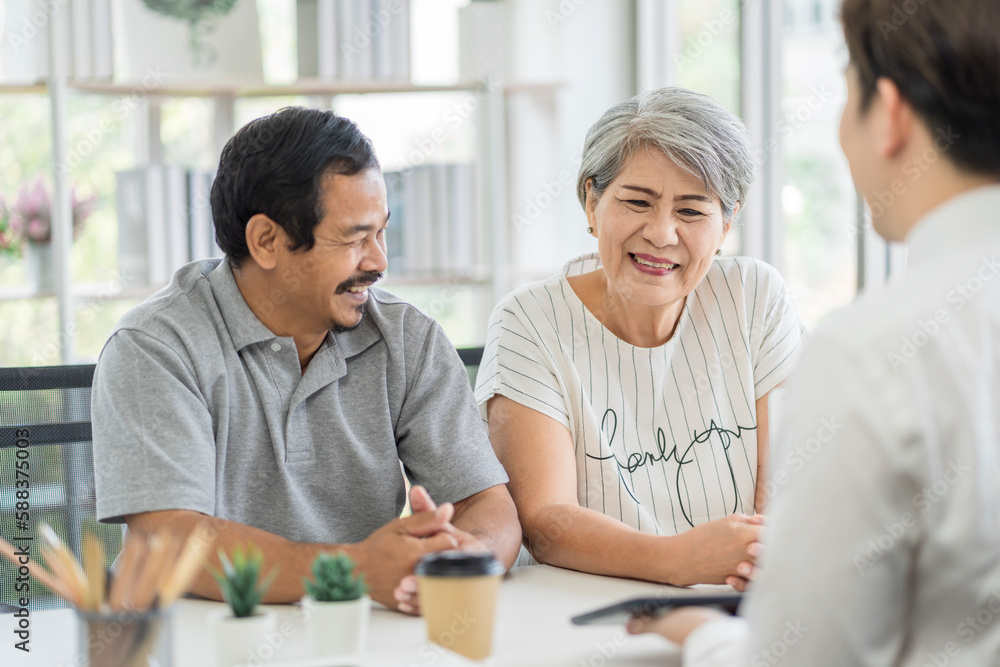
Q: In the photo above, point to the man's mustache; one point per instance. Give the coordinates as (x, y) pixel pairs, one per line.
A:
(365, 278)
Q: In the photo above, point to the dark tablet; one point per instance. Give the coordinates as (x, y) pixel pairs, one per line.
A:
(618, 614)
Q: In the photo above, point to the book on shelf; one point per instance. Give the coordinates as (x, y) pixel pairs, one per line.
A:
(24, 45)
(201, 228)
(399, 39)
(483, 41)
(397, 217)
(417, 232)
(81, 36)
(85, 29)
(102, 43)
(441, 253)
(433, 226)
(141, 235)
(344, 24)
(316, 22)
(176, 232)
(353, 40)
(462, 218)
(382, 45)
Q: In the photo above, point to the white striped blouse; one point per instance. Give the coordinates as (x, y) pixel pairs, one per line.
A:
(665, 437)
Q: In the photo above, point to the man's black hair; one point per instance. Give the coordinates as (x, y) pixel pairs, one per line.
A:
(275, 165)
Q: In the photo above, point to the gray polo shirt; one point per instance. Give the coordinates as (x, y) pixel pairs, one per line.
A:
(198, 406)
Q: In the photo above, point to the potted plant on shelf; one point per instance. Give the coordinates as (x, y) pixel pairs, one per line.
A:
(202, 17)
(31, 223)
(337, 606)
(241, 630)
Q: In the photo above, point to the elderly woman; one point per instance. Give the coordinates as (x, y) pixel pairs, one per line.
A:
(627, 396)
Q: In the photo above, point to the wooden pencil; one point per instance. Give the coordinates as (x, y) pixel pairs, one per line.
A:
(149, 575)
(36, 570)
(192, 558)
(73, 570)
(93, 568)
(122, 591)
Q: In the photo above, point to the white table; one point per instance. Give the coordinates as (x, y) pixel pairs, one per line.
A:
(532, 629)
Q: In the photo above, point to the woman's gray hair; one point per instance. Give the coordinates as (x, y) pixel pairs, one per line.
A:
(691, 129)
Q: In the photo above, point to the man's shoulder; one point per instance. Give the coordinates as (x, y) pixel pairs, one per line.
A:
(400, 324)
(386, 308)
(185, 304)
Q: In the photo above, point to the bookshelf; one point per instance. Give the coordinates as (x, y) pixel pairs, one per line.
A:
(488, 279)
(490, 284)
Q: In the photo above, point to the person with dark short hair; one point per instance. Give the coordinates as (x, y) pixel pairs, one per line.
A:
(883, 546)
(279, 392)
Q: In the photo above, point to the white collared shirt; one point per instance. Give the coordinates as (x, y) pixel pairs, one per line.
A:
(884, 539)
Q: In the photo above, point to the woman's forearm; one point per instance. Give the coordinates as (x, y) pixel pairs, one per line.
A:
(582, 539)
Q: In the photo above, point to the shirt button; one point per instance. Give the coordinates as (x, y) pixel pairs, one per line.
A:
(276, 347)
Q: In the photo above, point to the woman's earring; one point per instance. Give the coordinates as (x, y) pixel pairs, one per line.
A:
(590, 230)
(718, 252)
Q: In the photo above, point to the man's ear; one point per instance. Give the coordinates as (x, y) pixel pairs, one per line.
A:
(263, 236)
(896, 118)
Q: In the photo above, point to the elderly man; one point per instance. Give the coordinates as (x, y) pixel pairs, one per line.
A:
(278, 391)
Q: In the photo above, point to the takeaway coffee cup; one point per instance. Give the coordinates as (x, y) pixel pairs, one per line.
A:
(458, 595)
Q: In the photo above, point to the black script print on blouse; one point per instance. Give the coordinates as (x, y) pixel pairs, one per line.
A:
(636, 460)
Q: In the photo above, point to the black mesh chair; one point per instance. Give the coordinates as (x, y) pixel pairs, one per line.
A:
(471, 357)
(45, 421)
(46, 465)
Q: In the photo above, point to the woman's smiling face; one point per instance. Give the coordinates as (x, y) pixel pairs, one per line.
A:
(657, 230)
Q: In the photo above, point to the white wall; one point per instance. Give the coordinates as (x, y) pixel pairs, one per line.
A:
(586, 46)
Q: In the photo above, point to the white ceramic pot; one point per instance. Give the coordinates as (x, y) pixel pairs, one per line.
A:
(240, 640)
(337, 628)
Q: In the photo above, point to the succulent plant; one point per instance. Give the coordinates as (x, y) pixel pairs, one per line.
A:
(240, 579)
(335, 579)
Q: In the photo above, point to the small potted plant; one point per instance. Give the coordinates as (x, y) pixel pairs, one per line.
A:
(337, 606)
(239, 634)
(30, 224)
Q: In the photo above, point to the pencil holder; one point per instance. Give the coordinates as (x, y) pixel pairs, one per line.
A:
(125, 639)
